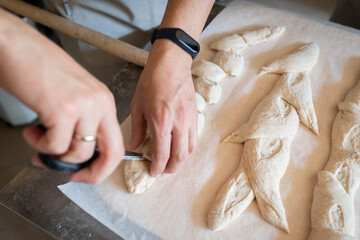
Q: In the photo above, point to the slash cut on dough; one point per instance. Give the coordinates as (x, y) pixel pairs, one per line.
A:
(232, 64)
(232, 44)
(262, 35)
(236, 43)
(210, 91)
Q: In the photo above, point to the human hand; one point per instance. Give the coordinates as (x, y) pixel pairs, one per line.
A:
(164, 101)
(66, 98)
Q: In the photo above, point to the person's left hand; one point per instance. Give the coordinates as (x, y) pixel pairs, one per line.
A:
(164, 101)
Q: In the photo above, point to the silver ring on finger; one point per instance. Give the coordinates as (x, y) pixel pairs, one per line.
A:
(87, 138)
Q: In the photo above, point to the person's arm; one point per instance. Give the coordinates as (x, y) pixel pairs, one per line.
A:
(65, 96)
(164, 99)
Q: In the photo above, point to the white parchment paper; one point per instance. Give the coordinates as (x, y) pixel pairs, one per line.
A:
(176, 206)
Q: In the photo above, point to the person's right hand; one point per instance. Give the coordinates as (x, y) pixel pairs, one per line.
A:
(67, 99)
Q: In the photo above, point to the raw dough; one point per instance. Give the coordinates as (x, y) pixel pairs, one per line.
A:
(146, 148)
(209, 90)
(267, 137)
(208, 70)
(200, 102)
(233, 44)
(236, 43)
(332, 212)
(137, 172)
(137, 176)
(233, 198)
(262, 35)
(232, 64)
(201, 120)
(301, 60)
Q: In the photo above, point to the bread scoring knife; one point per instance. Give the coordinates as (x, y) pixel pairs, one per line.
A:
(58, 165)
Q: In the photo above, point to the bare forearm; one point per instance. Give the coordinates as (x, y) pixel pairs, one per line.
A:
(17, 52)
(189, 15)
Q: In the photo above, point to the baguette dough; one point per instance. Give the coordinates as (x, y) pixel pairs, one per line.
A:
(208, 70)
(267, 136)
(209, 90)
(332, 211)
(301, 60)
(200, 102)
(262, 35)
(201, 120)
(233, 198)
(232, 64)
(233, 44)
(137, 172)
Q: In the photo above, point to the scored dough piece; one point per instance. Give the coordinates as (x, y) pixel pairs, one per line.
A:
(209, 90)
(233, 44)
(300, 96)
(268, 136)
(272, 117)
(265, 162)
(208, 70)
(302, 59)
(137, 172)
(232, 199)
(200, 102)
(262, 35)
(201, 120)
(137, 176)
(232, 64)
(332, 212)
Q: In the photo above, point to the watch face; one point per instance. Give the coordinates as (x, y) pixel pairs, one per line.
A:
(185, 39)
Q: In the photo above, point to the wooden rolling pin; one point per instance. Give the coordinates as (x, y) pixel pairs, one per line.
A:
(114, 46)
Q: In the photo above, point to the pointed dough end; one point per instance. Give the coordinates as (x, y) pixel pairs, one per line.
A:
(285, 227)
(315, 129)
(213, 223)
(280, 223)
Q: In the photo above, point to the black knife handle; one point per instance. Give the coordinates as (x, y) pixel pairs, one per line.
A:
(65, 167)
(58, 165)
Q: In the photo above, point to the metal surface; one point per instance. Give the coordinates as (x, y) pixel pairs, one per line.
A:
(33, 194)
(133, 156)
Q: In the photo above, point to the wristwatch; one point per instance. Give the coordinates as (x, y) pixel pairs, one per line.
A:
(178, 36)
